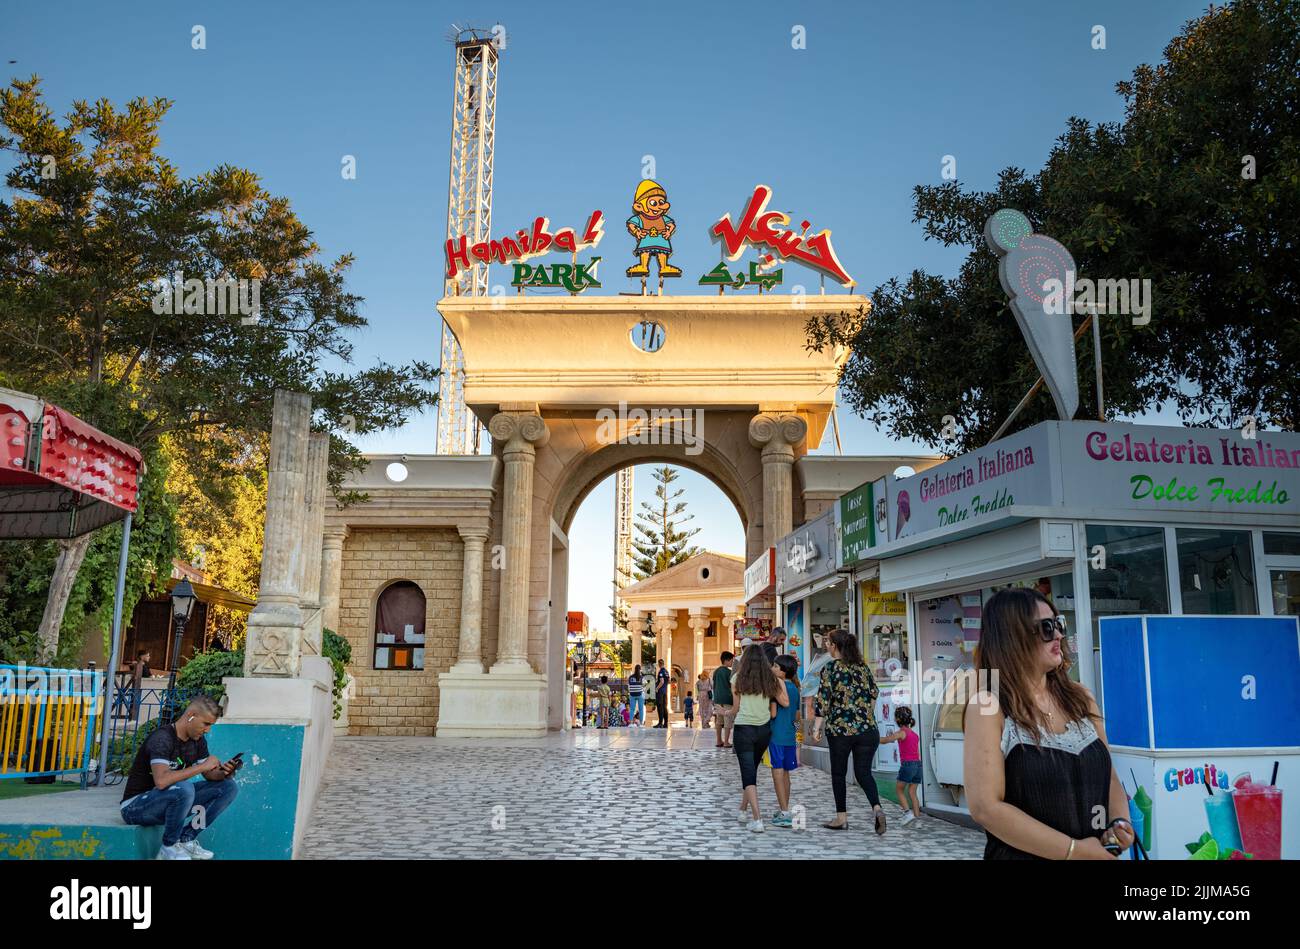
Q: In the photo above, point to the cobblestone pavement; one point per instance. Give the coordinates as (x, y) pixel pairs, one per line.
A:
(620, 793)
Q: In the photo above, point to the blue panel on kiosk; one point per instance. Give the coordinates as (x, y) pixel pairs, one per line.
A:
(1124, 681)
(1200, 691)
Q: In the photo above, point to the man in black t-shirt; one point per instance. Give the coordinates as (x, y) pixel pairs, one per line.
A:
(160, 789)
(661, 695)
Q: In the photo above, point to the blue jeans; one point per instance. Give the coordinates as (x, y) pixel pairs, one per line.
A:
(174, 807)
(637, 708)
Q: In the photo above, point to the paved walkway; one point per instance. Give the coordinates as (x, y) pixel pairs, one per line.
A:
(620, 793)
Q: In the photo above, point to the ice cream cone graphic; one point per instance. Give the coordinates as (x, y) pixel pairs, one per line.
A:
(1027, 261)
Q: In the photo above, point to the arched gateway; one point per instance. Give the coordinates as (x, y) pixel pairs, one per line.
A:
(569, 397)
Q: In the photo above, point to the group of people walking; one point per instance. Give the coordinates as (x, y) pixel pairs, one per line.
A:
(756, 709)
(1037, 768)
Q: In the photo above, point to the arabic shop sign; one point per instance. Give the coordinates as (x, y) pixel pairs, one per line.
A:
(807, 553)
(720, 276)
(526, 244)
(572, 277)
(758, 228)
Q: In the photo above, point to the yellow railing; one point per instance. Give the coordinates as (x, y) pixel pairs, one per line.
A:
(47, 719)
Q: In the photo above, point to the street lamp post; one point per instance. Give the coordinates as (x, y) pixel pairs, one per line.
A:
(183, 599)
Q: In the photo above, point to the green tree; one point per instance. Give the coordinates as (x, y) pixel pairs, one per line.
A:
(1197, 189)
(661, 542)
(96, 224)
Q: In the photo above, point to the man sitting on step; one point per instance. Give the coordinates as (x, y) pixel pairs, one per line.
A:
(160, 789)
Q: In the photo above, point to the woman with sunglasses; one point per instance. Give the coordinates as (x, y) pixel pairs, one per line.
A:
(1038, 774)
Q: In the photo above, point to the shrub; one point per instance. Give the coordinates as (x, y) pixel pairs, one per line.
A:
(206, 670)
(339, 652)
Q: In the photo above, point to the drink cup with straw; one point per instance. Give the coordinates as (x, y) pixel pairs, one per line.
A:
(1222, 816)
(1143, 801)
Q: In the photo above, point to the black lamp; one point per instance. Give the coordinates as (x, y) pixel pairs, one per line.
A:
(183, 599)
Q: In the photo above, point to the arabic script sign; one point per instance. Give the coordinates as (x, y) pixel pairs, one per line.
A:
(720, 276)
(757, 228)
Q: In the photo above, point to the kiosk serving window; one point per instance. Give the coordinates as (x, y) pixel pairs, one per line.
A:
(1216, 572)
(1282, 558)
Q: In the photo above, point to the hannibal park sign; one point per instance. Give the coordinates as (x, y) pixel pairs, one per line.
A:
(765, 231)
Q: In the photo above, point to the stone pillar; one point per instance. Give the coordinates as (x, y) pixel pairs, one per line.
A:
(635, 630)
(665, 622)
(520, 434)
(274, 644)
(778, 434)
(470, 656)
(316, 493)
(729, 621)
(331, 574)
(699, 623)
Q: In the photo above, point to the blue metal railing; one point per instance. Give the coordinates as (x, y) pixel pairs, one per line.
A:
(136, 714)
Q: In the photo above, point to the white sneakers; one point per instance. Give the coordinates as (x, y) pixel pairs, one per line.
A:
(185, 850)
(196, 850)
(743, 817)
(908, 818)
(756, 826)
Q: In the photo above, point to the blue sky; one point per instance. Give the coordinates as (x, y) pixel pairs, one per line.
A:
(842, 130)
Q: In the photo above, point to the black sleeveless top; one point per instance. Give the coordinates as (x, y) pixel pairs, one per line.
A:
(1058, 780)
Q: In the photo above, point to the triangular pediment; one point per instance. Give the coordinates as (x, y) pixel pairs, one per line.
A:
(725, 572)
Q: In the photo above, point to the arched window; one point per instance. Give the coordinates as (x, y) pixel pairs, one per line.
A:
(399, 627)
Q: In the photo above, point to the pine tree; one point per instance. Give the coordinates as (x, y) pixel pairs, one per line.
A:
(661, 543)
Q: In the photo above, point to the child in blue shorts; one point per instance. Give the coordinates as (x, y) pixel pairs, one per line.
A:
(909, 771)
(782, 750)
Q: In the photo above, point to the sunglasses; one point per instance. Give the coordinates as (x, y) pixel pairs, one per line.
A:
(1050, 627)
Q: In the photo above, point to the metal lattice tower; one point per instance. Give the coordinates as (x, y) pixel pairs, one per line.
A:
(469, 212)
(622, 532)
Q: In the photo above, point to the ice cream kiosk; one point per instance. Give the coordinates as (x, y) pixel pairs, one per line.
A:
(1194, 534)
(1203, 718)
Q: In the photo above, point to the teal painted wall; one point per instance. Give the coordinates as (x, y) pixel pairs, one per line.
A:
(259, 825)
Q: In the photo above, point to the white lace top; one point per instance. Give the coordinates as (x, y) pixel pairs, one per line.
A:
(1076, 737)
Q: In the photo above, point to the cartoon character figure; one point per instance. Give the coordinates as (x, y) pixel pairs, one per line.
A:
(653, 229)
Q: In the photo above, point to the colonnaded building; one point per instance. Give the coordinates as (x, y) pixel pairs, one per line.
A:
(450, 581)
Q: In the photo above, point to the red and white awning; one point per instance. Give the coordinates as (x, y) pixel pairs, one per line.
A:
(59, 476)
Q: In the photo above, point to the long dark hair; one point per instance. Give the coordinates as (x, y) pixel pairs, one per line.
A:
(847, 645)
(790, 666)
(1008, 646)
(755, 675)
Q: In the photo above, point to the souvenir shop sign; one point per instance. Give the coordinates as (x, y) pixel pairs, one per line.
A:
(525, 244)
(572, 277)
(758, 227)
(864, 520)
(760, 576)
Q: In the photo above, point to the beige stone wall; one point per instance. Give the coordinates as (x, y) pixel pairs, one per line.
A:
(392, 702)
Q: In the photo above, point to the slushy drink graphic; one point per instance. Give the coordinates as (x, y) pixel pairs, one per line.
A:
(1139, 822)
(1259, 815)
(1143, 802)
(1222, 815)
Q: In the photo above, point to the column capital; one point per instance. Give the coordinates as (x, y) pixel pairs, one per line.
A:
(519, 431)
(698, 621)
(777, 432)
(333, 535)
(664, 621)
(472, 534)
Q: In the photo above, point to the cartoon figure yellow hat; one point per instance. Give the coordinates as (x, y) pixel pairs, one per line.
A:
(653, 230)
(645, 189)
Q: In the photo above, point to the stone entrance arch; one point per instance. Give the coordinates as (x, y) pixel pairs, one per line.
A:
(545, 374)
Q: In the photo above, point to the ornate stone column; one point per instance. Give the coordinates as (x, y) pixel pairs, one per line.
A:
(699, 623)
(274, 644)
(778, 434)
(634, 627)
(520, 434)
(469, 656)
(665, 622)
(331, 574)
(729, 621)
(314, 500)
